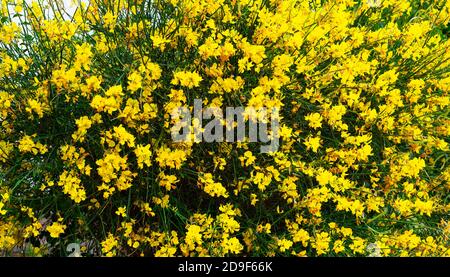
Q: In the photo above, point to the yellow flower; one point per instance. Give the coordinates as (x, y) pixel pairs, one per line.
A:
(109, 245)
(338, 246)
(83, 57)
(322, 243)
(35, 106)
(121, 211)
(313, 143)
(83, 124)
(424, 207)
(71, 184)
(134, 81)
(247, 159)
(143, 155)
(167, 181)
(109, 20)
(193, 236)
(314, 120)
(170, 158)
(26, 144)
(211, 187)
(284, 245)
(159, 41)
(324, 177)
(2, 211)
(186, 79)
(358, 246)
(56, 229)
(123, 136)
(231, 245)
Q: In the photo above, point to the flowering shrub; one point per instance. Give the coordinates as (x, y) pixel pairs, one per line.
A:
(86, 154)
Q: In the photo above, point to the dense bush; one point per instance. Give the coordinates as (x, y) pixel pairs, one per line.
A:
(86, 154)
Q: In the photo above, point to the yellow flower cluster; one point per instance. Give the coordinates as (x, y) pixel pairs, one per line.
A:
(56, 229)
(363, 94)
(27, 144)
